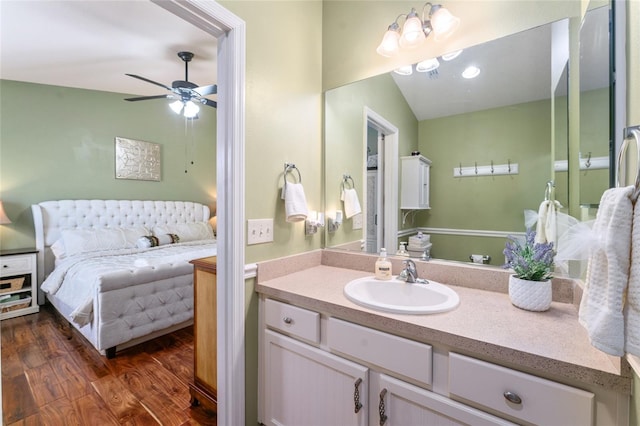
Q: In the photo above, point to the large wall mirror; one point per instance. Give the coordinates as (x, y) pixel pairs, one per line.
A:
(512, 115)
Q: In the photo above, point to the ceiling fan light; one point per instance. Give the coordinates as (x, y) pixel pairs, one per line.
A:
(176, 106)
(191, 109)
(443, 22)
(412, 33)
(389, 45)
(471, 72)
(427, 65)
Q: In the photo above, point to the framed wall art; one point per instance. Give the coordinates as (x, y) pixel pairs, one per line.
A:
(137, 160)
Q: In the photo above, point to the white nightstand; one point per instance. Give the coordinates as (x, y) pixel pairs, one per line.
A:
(18, 281)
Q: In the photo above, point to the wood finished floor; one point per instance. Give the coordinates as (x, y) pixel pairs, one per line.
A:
(48, 379)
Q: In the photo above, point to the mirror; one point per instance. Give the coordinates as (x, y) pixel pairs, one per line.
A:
(496, 119)
(596, 137)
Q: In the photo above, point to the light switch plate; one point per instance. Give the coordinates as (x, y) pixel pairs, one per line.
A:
(357, 221)
(259, 231)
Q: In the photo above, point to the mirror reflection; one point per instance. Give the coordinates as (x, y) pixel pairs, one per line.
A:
(468, 130)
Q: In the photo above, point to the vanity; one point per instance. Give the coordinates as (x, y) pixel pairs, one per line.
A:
(326, 360)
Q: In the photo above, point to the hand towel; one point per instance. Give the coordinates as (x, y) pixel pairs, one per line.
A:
(608, 272)
(295, 203)
(632, 308)
(351, 202)
(547, 228)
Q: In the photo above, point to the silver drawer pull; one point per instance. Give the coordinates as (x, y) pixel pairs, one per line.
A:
(287, 320)
(512, 397)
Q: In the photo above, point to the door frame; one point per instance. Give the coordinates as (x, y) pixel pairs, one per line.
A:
(230, 32)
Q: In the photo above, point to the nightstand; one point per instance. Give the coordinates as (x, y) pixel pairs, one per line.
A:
(18, 283)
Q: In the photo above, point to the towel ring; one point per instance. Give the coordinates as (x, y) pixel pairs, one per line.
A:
(548, 189)
(288, 168)
(345, 181)
(635, 133)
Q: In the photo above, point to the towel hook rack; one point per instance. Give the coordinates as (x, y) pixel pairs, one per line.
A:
(629, 133)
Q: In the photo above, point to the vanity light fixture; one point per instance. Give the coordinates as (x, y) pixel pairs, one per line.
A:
(314, 221)
(416, 29)
(471, 72)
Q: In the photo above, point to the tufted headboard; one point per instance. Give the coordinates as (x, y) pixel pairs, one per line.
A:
(50, 217)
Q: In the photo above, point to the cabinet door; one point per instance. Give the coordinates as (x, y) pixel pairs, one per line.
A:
(306, 386)
(394, 402)
(423, 188)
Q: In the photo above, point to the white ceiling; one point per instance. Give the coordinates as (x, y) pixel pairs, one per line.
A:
(91, 44)
(514, 69)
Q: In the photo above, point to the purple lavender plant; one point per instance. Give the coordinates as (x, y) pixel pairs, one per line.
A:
(531, 261)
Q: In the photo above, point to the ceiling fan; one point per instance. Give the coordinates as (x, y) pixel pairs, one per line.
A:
(186, 93)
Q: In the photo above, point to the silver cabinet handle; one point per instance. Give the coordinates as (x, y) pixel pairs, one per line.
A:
(381, 408)
(287, 320)
(356, 395)
(512, 397)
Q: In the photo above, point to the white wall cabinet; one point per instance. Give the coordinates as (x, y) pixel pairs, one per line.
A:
(415, 184)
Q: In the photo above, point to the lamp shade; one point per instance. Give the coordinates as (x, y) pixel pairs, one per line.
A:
(443, 22)
(191, 109)
(176, 106)
(389, 46)
(412, 34)
(4, 219)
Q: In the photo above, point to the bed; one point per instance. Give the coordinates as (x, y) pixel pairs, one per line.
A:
(118, 270)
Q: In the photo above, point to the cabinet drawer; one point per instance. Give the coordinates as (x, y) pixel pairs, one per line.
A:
(293, 320)
(396, 354)
(12, 265)
(533, 399)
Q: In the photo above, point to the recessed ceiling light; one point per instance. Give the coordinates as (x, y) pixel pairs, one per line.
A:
(451, 55)
(427, 65)
(471, 72)
(404, 70)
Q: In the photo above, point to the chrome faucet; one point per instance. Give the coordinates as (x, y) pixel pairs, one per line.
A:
(409, 273)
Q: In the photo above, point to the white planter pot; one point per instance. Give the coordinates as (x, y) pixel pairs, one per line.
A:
(530, 295)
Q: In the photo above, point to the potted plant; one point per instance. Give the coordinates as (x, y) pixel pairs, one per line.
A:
(532, 263)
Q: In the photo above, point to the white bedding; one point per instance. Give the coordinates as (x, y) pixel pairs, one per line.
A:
(75, 279)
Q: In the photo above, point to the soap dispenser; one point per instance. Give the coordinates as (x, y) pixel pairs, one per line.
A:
(383, 266)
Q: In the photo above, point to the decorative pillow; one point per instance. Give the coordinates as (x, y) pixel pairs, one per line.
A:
(187, 231)
(84, 240)
(57, 249)
(153, 241)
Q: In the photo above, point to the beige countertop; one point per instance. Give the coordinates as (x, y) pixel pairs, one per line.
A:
(551, 344)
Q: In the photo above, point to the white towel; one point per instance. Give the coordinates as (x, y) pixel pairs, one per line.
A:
(351, 202)
(295, 203)
(547, 228)
(632, 308)
(608, 272)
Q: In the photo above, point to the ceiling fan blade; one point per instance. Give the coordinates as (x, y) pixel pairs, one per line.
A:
(206, 90)
(209, 102)
(146, 98)
(149, 81)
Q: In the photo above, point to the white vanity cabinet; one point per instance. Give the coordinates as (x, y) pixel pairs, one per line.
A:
(345, 375)
(415, 182)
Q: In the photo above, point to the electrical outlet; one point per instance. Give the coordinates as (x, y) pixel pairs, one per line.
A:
(259, 231)
(357, 221)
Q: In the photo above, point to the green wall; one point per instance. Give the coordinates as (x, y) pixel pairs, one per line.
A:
(58, 143)
(344, 138)
(516, 133)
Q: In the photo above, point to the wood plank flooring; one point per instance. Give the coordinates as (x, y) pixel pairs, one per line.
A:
(48, 379)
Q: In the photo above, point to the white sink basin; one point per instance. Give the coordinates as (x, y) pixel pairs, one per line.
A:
(401, 298)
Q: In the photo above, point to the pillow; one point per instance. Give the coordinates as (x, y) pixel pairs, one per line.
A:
(187, 231)
(148, 241)
(57, 248)
(83, 240)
